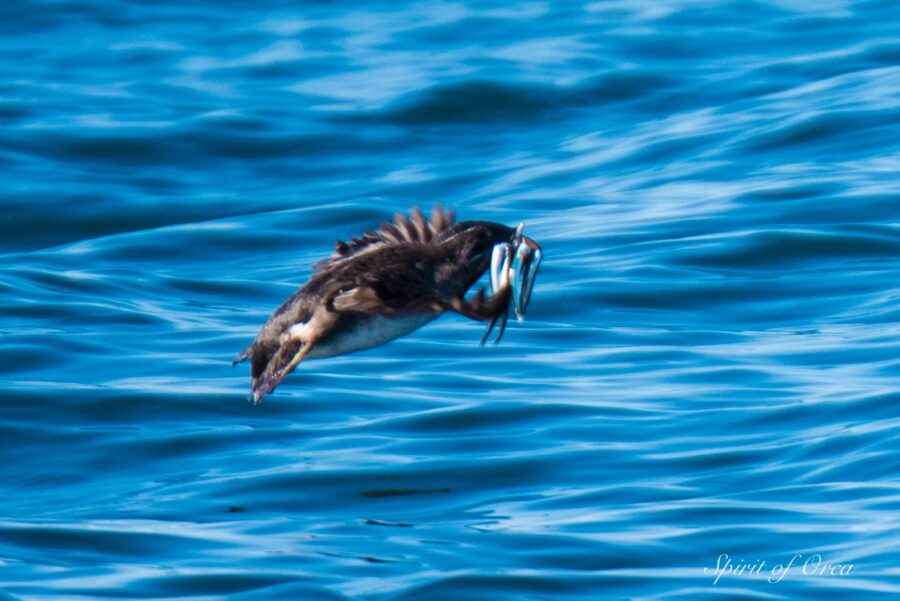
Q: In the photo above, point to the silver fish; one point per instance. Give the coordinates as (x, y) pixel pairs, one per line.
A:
(514, 264)
(500, 260)
(522, 273)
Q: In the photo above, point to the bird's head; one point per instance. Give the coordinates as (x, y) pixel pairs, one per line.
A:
(469, 244)
(469, 247)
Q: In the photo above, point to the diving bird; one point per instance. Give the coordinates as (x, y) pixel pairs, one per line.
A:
(388, 283)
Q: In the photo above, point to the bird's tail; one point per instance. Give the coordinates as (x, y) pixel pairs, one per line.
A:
(269, 369)
(244, 354)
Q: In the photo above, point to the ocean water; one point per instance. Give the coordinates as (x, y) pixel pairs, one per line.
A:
(707, 375)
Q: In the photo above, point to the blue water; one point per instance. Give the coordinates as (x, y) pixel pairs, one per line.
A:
(709, 365)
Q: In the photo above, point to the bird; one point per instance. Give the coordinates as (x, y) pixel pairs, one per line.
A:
(381, 286)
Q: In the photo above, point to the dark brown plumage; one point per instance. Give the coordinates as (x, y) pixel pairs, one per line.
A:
(378, 287)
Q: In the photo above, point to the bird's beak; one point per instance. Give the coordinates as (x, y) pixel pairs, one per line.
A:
(522, 273)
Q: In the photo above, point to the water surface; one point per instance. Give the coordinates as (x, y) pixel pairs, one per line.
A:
(709, 365)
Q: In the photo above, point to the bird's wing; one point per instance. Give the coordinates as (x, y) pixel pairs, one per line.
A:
(390, 280)
(403, 230)
(362, 299)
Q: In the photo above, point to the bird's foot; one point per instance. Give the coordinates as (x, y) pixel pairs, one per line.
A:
(492, 310)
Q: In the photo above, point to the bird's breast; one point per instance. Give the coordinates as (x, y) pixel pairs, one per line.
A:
(368, 332)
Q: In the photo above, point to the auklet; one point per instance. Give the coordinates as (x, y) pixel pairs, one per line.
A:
(388, 283)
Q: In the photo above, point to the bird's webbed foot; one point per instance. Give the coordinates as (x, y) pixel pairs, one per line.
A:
(492, 310)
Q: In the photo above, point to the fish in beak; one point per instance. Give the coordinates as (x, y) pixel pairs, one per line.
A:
(515, 263)
(501, 260)
(523, 270)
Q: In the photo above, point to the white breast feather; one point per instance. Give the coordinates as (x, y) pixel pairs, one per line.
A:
(367, 334)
